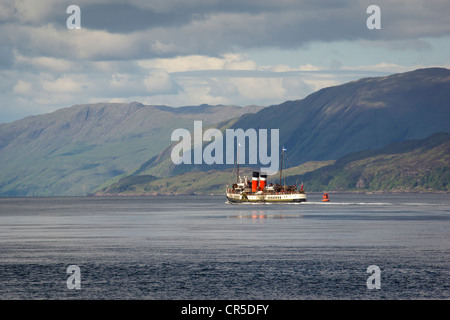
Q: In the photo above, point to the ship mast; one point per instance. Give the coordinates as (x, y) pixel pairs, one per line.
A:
(237, 176)
(281, 163)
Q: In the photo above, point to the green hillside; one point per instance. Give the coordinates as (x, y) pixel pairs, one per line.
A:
(74, 150)
(85, 148)
(413, 166)
(369, 113)
(198, 182)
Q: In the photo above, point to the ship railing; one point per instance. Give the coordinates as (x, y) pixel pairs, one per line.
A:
(274, 192)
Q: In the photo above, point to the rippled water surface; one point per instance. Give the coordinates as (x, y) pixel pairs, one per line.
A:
(200, 247)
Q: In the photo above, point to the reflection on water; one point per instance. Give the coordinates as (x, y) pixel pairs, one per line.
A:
(257, 216)
(199, 247)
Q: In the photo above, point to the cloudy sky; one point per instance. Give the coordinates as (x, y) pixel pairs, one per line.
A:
(189, 52)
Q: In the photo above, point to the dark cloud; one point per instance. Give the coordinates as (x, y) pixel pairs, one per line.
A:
(45, 65)
(169, 28)
(126, 18)
(6, 56)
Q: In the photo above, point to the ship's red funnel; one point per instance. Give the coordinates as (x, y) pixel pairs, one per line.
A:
(255, 181)
(262, 181)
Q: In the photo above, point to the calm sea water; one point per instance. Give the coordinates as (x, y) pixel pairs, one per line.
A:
(200, 247)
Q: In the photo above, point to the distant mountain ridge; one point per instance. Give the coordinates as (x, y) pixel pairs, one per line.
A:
(409, 166)
(73, 150)
(369, 113)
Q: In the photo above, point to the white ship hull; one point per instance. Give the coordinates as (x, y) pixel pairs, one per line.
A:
(261, 197)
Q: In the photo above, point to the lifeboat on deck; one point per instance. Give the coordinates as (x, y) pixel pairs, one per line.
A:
(325, 197)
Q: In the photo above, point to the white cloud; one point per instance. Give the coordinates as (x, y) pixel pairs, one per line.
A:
(22, 88)
(183, 63)
(237, 62)
(192, 80)
(207, 51)
(220, 87)
(159, 82)
(213, 29)
(228, 61)
(65, 84)
(45, 63)
(120, 81)
(27, 11)
(287, 68)
(260, 89)
(384, 67)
